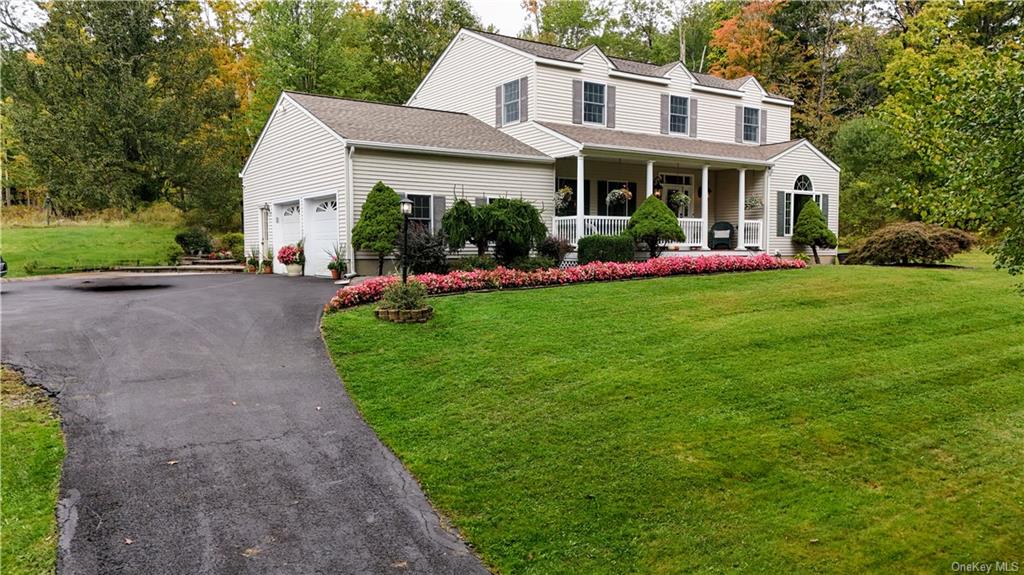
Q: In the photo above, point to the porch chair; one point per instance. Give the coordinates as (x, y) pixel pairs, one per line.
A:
(721, 235)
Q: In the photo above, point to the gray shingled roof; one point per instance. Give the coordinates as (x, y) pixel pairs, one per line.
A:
(408, 126)
(552, 52)
(603, 137)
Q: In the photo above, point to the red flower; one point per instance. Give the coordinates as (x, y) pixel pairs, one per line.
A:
(457, 282)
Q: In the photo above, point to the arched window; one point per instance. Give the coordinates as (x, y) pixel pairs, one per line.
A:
(803, 192)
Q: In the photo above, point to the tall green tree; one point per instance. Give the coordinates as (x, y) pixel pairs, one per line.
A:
(409, 37)
(379, 222)
(114, 100)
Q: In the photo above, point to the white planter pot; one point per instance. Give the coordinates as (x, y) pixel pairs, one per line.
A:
(294, 270)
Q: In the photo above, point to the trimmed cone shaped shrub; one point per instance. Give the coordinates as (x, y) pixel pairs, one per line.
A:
(812, 230)
(654, 224)
(910, 243)
(379, 223)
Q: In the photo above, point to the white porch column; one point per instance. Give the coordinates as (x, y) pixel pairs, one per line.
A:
(766, 209)
(704, 208)
(741, 234)
(581, 197)
(650, 179)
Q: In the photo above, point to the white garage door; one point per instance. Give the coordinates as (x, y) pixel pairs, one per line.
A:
(323, 233)
(288, 231)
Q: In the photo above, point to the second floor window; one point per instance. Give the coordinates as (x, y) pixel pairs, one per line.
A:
(510, 100)
(593, 103)
(751, 125)
(679, 114)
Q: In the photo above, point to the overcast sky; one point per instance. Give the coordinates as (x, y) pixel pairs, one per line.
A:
(507, 15)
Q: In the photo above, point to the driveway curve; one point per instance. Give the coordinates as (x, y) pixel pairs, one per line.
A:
(207, 432)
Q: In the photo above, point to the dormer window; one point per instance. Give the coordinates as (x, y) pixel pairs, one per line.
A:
(751, 125)
(593, 103)
(679, 115)
(510, 102)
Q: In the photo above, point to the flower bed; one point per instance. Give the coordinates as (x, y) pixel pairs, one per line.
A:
(502, 278)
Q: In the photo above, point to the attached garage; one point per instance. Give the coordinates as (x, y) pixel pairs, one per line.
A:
(318, 157)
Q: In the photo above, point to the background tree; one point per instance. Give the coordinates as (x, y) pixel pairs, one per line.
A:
(379, 223)
(654, 224)
(811, 229)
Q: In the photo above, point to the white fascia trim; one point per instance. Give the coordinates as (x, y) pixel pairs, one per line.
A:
(685, 69)
(263, 132)
(713, 90)
(559, 136)
(781, 102)
(600, 53)
(349, 206)
(639, 78)
(816, 151)
(450, 152)
(742, 161)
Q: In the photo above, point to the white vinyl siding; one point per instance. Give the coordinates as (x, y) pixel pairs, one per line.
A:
(464, 80)
(292, 144)
(679, 115)
(541, 140)
(801, 161)
(424, 174)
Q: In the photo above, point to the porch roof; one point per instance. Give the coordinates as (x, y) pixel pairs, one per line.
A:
(633, 142)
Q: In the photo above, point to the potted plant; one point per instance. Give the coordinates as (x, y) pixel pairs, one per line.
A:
(404, 303)
(337, 264)
(252, 263)
(618, 196)
(268, 263)
(292, 257)
(752, 203)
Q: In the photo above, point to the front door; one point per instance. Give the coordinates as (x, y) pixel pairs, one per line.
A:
(679, 184)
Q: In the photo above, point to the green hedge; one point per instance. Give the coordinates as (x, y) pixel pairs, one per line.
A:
(606, 249)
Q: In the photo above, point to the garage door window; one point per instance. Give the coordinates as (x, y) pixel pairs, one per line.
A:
(327, 206)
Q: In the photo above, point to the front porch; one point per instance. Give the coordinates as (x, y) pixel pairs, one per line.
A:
(719, 206)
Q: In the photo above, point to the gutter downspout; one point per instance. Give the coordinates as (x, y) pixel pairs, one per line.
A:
(350, 151)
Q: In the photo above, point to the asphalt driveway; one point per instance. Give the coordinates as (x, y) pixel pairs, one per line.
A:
(207, 432)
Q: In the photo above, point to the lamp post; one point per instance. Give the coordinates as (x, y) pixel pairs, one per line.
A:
(406, 204)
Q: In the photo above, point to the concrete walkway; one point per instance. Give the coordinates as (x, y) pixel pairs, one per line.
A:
(207, 432)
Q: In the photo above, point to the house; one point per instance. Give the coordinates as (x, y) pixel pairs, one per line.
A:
(498, 116)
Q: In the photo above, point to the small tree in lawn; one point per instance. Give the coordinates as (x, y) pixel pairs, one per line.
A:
(653, 224)
(812, 230)
(379, 223)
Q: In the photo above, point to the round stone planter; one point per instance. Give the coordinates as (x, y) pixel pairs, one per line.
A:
(294, 270)
(405, 315)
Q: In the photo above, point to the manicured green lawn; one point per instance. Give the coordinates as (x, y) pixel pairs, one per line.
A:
(58, 249)
(31, 452)
(837, 419)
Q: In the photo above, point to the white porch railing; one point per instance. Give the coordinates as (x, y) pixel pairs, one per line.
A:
(752, 234)
(565, 228)
(693, 229)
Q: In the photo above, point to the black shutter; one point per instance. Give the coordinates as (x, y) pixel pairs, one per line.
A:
(665, 106)
(586, 197)
(577, 101)
(824, 207)
(632, 201)
(610, 111)
(524, 99)
(602, 198)
(438, 212)
(780, 214)
(693, 118)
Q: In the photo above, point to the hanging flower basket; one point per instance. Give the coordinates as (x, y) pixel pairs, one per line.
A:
(677, 200)
(618, 197)
(753, 203)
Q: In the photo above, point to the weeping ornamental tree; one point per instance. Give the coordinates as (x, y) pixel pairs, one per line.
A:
(654, 224)
(463, 224)
(812, 230)
(379, 223)
(514, 226)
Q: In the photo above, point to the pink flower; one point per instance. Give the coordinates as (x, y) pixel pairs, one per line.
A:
(372, 289)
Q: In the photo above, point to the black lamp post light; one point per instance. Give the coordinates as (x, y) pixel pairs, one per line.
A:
(406, 204)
